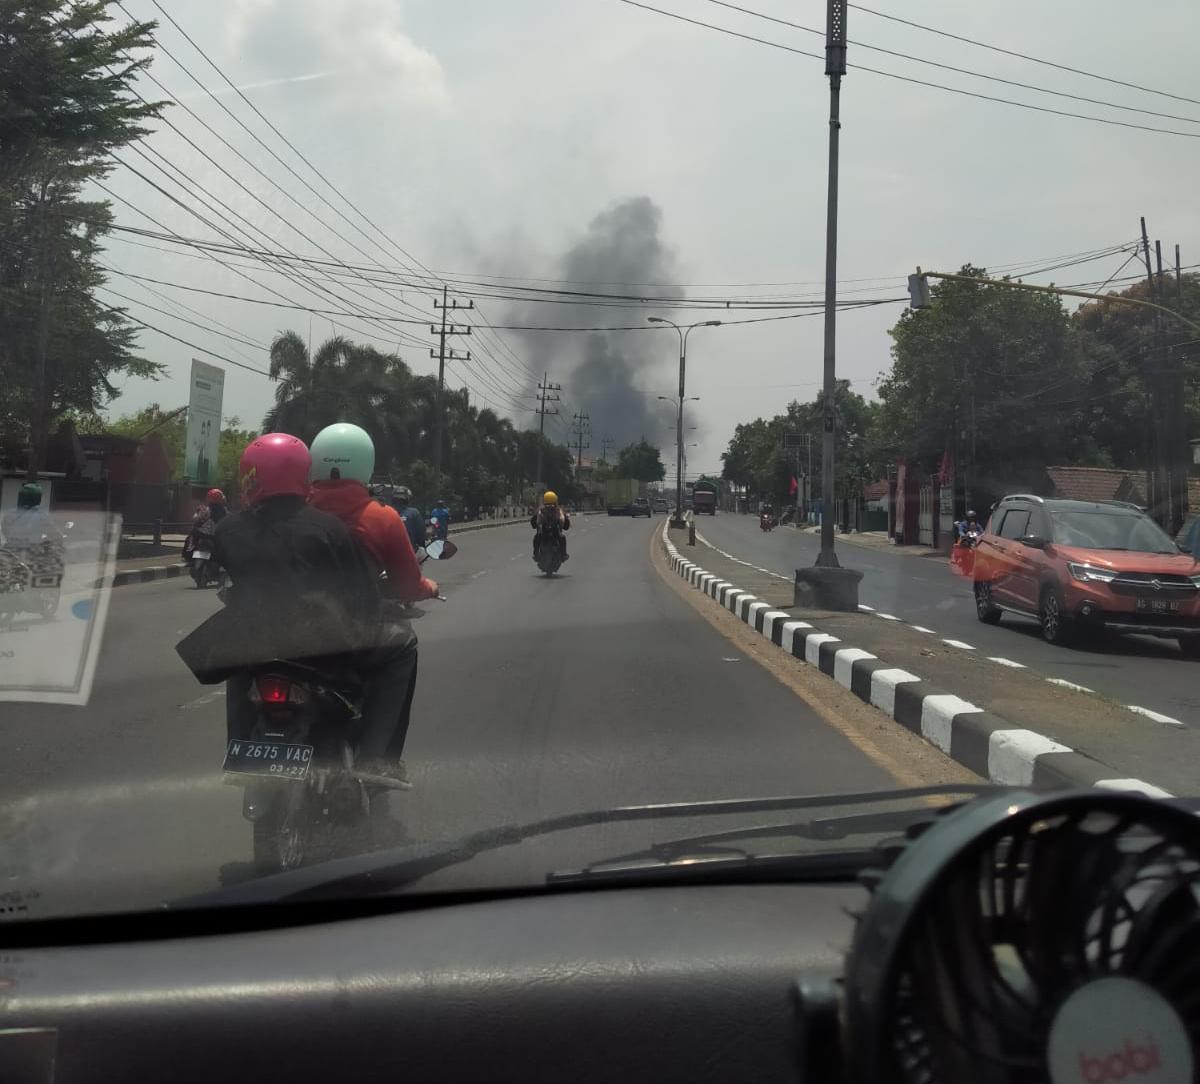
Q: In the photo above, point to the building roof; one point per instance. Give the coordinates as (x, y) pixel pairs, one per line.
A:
(1097, 484)
(875, 490)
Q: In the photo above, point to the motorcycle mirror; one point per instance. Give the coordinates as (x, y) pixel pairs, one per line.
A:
(441, 550)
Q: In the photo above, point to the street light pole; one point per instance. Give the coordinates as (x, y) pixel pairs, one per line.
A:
(835, 68)
(683, 333)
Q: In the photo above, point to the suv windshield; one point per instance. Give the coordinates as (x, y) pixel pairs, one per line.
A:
(1105, 530)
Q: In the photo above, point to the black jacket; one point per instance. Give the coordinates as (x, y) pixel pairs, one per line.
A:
(301, 588)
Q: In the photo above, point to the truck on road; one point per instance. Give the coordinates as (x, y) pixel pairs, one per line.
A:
(619, 494)
(704, 498)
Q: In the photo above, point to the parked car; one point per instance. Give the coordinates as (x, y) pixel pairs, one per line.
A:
(661, 505)
(1084, 564)
(640, 507)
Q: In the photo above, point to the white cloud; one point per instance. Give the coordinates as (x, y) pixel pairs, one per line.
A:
(365, 42)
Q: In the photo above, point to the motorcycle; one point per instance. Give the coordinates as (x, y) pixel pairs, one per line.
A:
(303, 793)
(439, 528)
(197, 552)
(962, 553)
(549, 551)
(31, 580)
(766, 522)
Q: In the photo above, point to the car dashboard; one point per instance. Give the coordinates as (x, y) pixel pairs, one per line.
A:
(1017, 938)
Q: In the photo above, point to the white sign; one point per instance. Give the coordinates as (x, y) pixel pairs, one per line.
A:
(204, 423)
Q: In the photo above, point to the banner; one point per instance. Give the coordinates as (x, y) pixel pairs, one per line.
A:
(204, 423)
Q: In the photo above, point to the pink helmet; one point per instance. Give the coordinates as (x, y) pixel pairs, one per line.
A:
(275, 465)
(214, 496)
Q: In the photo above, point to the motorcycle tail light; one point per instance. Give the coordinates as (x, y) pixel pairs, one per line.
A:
(273, 689)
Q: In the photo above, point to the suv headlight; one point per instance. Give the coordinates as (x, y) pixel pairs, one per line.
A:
(1088, 574)
(1196, 581)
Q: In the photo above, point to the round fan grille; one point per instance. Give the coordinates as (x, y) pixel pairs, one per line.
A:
(982, 935)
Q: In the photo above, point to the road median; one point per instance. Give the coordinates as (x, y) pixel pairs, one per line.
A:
(1005, 723)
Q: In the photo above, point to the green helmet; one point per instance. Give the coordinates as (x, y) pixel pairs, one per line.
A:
(29, 495)
(342, 450)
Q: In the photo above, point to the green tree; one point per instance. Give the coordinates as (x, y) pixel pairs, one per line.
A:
(170, 425)
(641, 461)
(976, 372)
(66, 102)
(229, 454)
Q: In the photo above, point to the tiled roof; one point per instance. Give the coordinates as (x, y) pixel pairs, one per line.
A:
(1093, 483)
(875, 491)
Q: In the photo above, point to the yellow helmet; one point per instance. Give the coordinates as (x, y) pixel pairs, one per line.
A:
(550, 497)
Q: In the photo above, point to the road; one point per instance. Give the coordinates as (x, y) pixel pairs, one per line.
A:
(1132, 670)
(602, 686)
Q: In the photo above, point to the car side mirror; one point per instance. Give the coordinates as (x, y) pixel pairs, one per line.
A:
(1034, 541)
(441, 550)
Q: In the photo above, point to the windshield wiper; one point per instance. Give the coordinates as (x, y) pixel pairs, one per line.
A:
(690, 851)
(379, 872)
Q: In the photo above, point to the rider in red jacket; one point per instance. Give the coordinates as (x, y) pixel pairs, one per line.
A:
(381, 531)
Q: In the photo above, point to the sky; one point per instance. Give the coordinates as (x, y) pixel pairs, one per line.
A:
(502, 141)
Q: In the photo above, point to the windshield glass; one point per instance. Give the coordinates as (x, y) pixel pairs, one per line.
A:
(1109, 531)
(420, 419)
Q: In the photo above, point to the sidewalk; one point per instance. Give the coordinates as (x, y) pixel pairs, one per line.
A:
(878, 540)
(1007, 724)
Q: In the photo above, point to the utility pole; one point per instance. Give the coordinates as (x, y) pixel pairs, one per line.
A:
(827, 584)
(1176, 399)
(605, 444)
(582, 428)
(442, 332)
(1153, 374)
(547, 393)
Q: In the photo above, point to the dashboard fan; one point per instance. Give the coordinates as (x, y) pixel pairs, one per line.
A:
(1029, 938)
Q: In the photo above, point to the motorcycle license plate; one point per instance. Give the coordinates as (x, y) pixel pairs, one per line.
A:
(201, 555)
(1158, 605)
(280, 760)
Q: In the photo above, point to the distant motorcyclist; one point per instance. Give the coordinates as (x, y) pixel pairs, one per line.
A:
(440, 518)
(30, 525)
(969, 529)
(414, 522)
(343, 459)
(550, 519)
(303, 588)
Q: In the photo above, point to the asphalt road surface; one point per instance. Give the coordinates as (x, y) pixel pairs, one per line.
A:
(599, 687)
(1130, 669)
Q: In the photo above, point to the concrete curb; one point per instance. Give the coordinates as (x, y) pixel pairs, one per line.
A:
(980, 741)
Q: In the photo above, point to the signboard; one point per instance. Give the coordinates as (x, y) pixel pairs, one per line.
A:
(204, 423)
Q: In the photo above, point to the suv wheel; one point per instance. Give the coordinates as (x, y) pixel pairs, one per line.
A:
(1052, 616)
(985, 609)
(1190, 647)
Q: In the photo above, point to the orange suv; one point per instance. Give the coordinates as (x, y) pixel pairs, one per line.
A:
(1076, 564)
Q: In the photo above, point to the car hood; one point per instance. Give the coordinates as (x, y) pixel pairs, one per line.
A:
(1179, 564)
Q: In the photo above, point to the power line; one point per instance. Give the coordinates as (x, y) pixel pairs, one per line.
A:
(959, 71)
(913, 79)
(1025, 56)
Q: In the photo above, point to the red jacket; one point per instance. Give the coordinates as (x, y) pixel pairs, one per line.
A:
(381, 530)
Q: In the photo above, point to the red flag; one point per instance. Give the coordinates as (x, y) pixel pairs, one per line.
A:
(793, 487)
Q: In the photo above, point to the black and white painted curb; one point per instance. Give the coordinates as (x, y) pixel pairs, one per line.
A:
(980, 741)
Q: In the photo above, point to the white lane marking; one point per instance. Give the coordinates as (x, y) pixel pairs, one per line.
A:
(200, 701)
(868, 609)
(788, 636)
(481, 572)
(1069, 685)
(959, 644)
(937, 717)
(1134, 784)
(922, 628)
(843, 663)
(1156, 716)
(1012, 754)
(1006, 662)
(883, 687)
(812, 646)
(887, 617)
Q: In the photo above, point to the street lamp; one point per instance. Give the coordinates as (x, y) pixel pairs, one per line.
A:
(683, 333)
